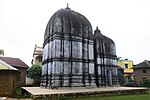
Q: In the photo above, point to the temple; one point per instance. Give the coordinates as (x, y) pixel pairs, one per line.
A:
(75, 57)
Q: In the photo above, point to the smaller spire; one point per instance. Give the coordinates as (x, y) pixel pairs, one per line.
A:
(97, 30)
(67, 6)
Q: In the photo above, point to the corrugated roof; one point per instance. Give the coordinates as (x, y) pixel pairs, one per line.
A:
(15, 62)
(5, 66)
(144, 64)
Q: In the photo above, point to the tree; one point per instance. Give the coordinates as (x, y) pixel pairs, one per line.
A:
(1, 52)
(34, 72)
(121, 77)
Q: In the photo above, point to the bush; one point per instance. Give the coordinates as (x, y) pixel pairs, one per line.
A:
(121, 78)
(131, 84)
(145, 83)
(34, 72)
(19, 94)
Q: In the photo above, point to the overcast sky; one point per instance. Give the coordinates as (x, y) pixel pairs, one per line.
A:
(127, 22)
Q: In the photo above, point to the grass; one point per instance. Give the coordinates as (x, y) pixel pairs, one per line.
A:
(118, 97)
(122, 97)
(19, 95)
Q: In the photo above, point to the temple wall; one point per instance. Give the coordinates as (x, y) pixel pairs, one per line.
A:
(73, 56)
(67, 63)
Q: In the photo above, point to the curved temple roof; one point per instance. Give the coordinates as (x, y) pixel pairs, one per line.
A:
(107, 43)
(68, 22)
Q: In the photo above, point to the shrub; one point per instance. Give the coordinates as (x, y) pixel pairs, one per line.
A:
(34, 72)
(145, 83)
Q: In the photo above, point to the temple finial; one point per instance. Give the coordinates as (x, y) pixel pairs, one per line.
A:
(67, 6)
(97, 30)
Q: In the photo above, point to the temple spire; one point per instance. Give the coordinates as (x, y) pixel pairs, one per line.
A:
(67, 6)
(97, 30)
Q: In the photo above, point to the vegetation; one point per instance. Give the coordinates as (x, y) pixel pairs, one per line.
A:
(121, 78)
(145, 83)
(1, 52)
(122, 97)
(34, 72)
(18, 94)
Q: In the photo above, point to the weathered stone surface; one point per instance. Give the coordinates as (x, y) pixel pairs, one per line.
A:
(105, 60)
(73, 56)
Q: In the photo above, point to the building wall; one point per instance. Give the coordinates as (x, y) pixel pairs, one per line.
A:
(29, 81)
(139, 75)
(37, 59)
(124, 63)
(7, 83)
(70, 63)
(37, 55)
(22, 80)
(128, 69)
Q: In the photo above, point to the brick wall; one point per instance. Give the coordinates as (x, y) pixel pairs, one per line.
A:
(139, 76)
(7, 83)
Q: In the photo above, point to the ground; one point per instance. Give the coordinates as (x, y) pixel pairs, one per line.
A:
(8, 98)
(76, 93)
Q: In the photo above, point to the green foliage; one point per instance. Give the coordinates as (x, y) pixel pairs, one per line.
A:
(1, 52)
(34, 72)
(145, 83)
(18, 94)
(62, 98)
(121, 78)
(121, 97)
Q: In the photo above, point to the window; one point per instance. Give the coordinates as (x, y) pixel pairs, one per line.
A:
(144, 71)
(126, 66)
(39, 58)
